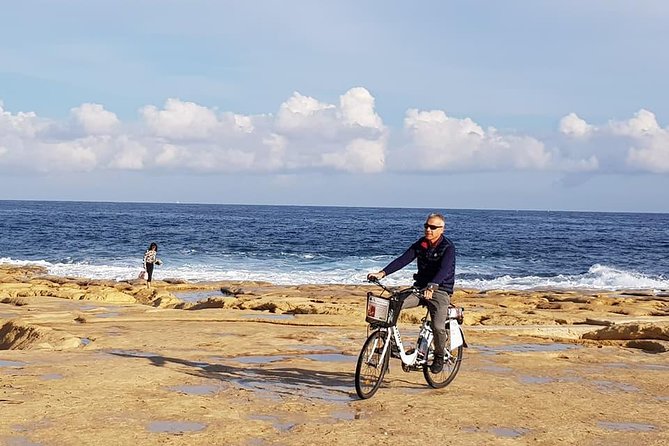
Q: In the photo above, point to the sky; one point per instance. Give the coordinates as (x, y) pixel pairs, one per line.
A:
(517, 104)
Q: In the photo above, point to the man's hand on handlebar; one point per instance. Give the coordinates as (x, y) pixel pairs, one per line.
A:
(429, 290)
(375, 277)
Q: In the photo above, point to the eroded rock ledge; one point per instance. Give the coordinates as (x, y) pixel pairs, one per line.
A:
(15, 335)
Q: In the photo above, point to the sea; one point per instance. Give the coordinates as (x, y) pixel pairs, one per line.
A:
(496, 249)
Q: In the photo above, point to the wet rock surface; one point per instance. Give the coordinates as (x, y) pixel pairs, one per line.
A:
(264, 364)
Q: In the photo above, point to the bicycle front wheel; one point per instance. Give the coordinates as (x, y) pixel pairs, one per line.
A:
(452, 360)
(372, 364)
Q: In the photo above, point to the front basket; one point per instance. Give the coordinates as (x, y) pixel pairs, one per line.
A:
(382, 311)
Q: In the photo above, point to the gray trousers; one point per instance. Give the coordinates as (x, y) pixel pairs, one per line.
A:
(438, 308)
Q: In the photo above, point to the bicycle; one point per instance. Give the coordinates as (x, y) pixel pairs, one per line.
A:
(385, 340)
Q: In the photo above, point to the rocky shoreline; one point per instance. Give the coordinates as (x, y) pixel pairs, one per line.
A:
(90, 361)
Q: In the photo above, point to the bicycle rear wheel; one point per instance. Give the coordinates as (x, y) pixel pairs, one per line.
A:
(452, 360)
(372, 364)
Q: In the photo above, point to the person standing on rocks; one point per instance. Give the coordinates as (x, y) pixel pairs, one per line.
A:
(151, 259)
(435, 276)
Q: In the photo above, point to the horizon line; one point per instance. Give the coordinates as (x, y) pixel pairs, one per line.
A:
(437, 208)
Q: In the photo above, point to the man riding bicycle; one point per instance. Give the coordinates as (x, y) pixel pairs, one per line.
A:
(435, 276)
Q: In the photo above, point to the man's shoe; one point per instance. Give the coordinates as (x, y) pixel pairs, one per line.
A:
(437, 364)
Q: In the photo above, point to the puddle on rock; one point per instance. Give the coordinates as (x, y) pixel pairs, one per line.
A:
(196, 389)
(535, 380)
(333, 394)
(508, 432)
(571, 379)
(274, 383)
(32, 426)
(4, 363)
(274, 389)
(51, 376)
(198, 295)
(626, 427)
(345, 415)
(84, 341)
(174, 427)
(610, 386)
(279, 425)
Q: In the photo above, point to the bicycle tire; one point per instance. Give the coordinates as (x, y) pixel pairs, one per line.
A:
(371, 367)
(452, 361)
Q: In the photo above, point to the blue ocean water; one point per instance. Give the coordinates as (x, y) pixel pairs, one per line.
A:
(297, 245)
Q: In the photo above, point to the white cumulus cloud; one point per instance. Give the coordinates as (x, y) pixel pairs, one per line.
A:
(180, 120)
(650, 150)
(644, 123)
(303, 113)
(94, 119)
(357, 108)
(572, 125)
(639, 143)
(361, 155)
(310, 134)
(439, 142)
(22, 125)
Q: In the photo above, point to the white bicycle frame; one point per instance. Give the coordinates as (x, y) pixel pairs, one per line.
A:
(457, 339)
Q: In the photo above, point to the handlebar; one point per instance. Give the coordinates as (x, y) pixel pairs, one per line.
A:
(413, 289)
(378, 283)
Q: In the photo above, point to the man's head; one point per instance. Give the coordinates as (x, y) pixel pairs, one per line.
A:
(434, 227)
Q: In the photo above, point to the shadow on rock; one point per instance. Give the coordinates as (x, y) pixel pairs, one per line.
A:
(275, 381)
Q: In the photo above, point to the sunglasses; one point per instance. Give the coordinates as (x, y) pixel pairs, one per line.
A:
(432, 227)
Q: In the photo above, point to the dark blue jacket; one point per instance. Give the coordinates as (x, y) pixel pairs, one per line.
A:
(436, 264)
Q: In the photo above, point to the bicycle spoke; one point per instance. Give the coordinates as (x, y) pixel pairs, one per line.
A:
(452, 359)
(371, 366)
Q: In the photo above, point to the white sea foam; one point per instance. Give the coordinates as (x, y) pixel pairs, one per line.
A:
(597, 277)
(345, 272)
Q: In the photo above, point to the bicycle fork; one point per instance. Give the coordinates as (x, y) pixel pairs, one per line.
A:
(386, 344)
